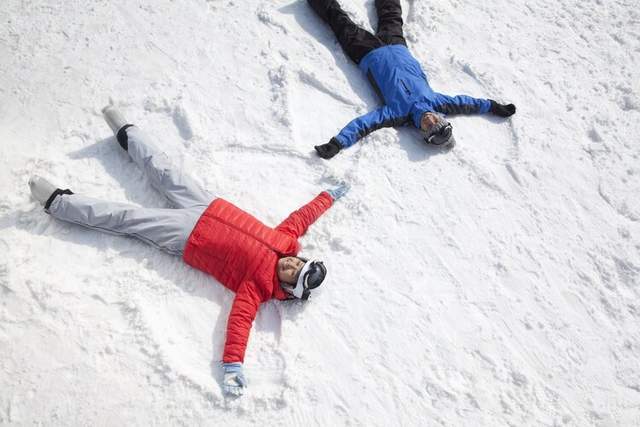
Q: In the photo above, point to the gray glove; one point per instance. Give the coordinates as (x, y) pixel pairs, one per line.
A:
(339, 191)
(234, 381)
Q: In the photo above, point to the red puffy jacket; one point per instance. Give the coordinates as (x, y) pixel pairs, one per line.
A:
(242, 253)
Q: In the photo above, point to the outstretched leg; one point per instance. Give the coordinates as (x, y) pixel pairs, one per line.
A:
(165, 229)
(355, 41)
(390, 22)
(178, 187)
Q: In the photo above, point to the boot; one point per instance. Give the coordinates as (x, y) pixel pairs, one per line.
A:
(41, 189)
(117, 124)
(113, 118)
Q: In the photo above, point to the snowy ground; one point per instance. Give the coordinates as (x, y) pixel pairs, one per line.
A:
(495, 284)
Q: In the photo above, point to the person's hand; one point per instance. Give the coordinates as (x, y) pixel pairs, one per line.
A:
(339, 191)
(328, 150)
(234, 381)
(502, 110)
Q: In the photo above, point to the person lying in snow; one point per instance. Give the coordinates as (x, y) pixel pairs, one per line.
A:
(397, 78)
(253, 260)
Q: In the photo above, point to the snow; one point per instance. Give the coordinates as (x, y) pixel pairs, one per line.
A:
(494, 284)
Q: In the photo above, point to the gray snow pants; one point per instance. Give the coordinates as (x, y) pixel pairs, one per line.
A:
(166, 229)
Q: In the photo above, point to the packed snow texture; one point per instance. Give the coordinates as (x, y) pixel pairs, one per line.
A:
(493, 284)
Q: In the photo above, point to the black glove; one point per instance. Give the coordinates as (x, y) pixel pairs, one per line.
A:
(502, 110)
(328, 150)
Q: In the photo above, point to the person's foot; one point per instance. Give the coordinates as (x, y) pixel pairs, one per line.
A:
(41, 189)
(113, 118)
(118, 124)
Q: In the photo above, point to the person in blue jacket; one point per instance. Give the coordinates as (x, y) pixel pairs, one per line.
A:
(397, 78)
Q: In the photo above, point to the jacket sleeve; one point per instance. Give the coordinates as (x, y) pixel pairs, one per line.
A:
(461, 104)
(364, 125)
(299, 221)
(243, 312)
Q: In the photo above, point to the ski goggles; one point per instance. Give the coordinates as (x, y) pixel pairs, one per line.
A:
(440, 133)
(311, 276)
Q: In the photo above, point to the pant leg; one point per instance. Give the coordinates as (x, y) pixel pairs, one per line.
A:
(166, 229)
(355, 41)
(390, 22)
(176, 185)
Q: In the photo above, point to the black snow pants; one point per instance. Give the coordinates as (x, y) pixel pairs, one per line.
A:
(356, 41)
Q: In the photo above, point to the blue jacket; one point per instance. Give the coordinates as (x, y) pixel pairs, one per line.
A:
(399, 80)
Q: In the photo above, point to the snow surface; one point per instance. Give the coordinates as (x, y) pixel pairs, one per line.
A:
(494, 284)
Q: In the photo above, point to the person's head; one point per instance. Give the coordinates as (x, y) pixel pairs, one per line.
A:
(436, 129)
(288, 269)
(298, 275)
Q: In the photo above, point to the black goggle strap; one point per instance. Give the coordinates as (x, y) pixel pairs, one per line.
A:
(305, 285)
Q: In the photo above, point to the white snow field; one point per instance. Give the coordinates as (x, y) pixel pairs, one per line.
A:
(494, 284)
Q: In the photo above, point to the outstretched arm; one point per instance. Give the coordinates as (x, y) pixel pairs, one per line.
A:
(359, 128)
(464, 104)
(299, 221)
(243, 312)
(461, 104)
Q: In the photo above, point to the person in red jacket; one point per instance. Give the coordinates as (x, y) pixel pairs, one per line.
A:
(255, 261)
